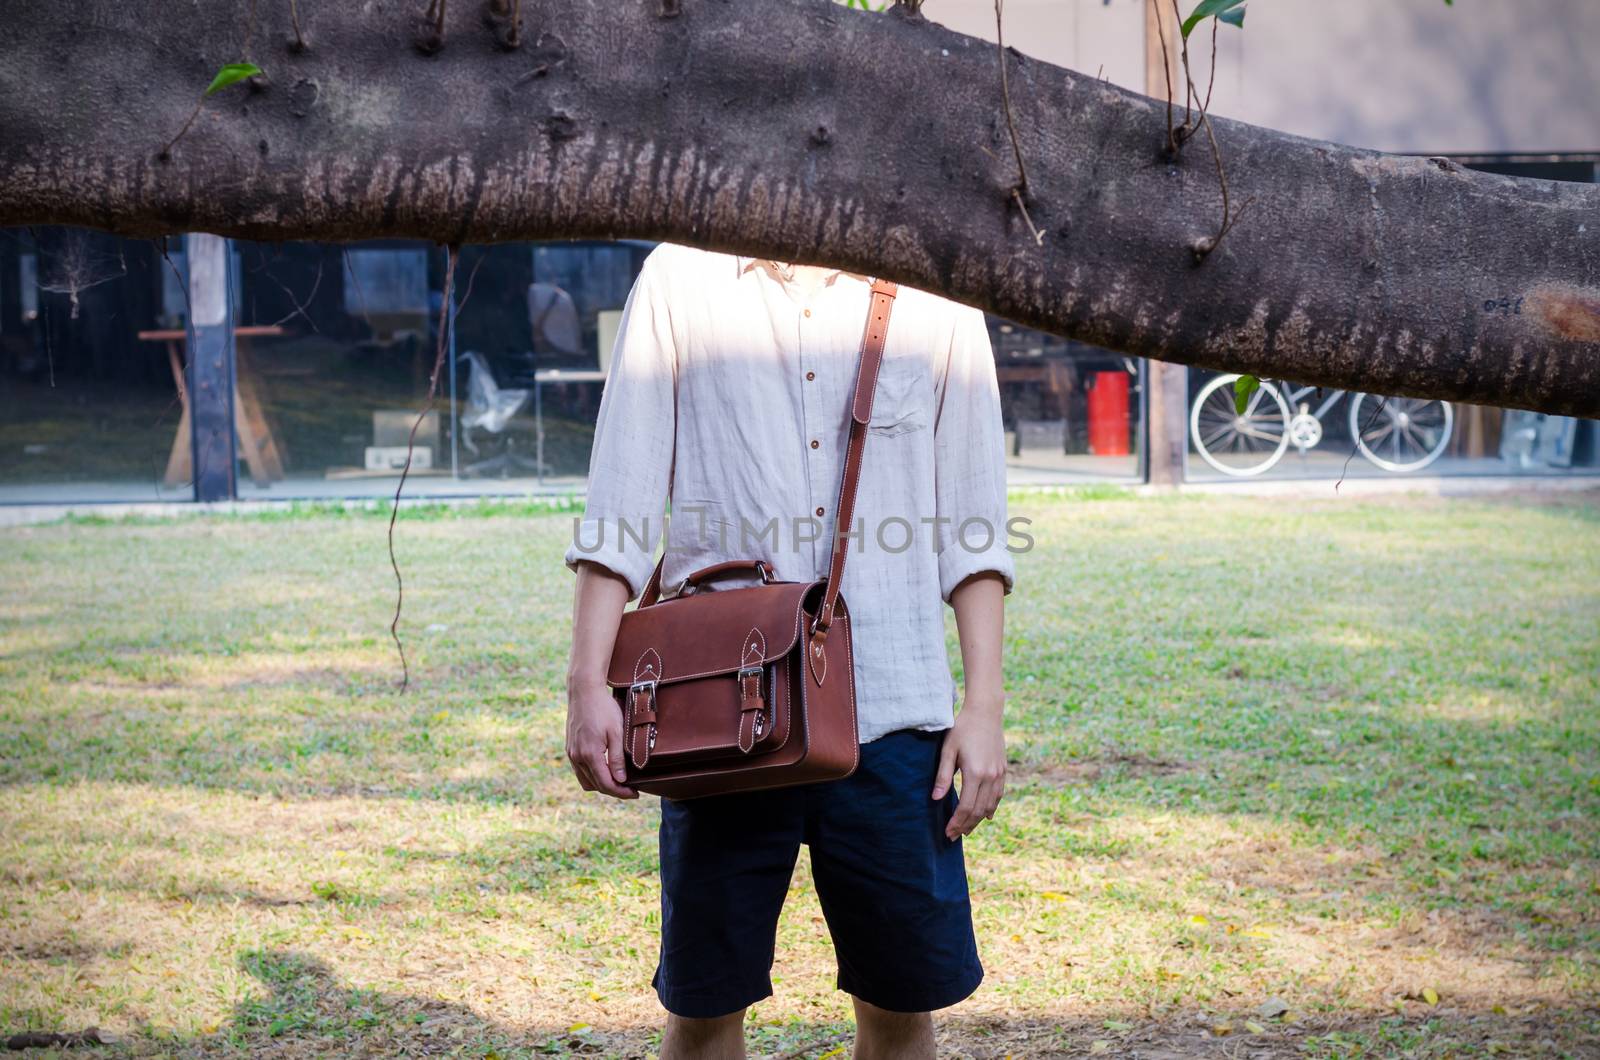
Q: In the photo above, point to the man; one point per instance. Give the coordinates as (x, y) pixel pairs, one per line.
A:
(727, 395)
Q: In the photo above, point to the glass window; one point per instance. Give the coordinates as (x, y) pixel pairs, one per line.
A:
(1071, 411)
(92, 350)
(334, 347)
(339, 345)
(1293, 431)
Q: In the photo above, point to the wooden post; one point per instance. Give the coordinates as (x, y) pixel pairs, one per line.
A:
(1167, 394)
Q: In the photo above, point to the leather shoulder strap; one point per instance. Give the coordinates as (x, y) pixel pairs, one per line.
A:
(866, 386)
(872, 342)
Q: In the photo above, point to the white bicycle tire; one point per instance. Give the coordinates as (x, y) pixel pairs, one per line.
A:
(1266, 391)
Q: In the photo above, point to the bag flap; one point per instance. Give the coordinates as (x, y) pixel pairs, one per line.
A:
(708, 632)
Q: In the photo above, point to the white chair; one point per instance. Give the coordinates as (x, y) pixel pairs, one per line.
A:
(491, 408)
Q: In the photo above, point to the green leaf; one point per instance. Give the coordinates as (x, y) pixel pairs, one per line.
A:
(1243, 387)
(232, 74)
(1229, 11)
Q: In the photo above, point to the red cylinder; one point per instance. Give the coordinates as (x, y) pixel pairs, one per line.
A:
(1108, 414)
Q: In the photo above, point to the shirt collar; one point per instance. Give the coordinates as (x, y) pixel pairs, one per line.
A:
(784, 272)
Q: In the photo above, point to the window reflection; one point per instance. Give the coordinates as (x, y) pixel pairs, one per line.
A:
(335, 347)
(1070, 410)
(90, 406)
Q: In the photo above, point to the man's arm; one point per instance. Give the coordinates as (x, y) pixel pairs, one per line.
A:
(613, 545)
(975, 566)
(976, 744)
(594, 724)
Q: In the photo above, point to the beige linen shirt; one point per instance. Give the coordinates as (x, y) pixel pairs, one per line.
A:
(727, 396)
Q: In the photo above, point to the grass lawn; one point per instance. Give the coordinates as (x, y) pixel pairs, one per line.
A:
(1289, 778)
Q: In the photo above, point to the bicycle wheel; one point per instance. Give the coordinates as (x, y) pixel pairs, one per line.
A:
(1239, 444)
(1400, 434)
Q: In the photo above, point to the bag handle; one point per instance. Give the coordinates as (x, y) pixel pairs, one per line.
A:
(866, 385)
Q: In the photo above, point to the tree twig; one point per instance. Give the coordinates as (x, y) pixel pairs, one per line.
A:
(1212, 80)
(1188, 88)
(453, 255)
(1038, 236)
(1229, 217)
(294, 18)
(1166, 70)
(1019, 191)
(166, 152)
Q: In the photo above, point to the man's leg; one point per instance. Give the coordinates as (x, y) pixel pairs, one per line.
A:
(894, 889)
(721, 1038)
(726, 861)
(885, 1035)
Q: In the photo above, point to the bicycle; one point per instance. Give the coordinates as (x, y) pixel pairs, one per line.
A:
(1400, 435)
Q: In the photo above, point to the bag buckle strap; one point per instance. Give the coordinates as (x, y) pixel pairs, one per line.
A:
(752, 722)
(642, 697)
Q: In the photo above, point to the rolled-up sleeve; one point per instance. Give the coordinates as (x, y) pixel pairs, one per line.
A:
(969, 461)
(630, 466)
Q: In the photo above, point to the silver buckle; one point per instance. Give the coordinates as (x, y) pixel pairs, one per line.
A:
(754, 671)
(633, 690)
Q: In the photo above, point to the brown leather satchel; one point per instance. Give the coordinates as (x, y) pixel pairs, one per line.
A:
(753, 687)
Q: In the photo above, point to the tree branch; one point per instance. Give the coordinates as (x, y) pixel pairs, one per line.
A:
(1358, 270)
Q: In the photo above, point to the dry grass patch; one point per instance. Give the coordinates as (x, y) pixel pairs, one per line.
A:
(223, 833)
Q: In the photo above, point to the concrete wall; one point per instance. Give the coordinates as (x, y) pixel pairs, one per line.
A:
(1398, 75)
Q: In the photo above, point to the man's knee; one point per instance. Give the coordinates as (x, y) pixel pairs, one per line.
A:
(718, 1038)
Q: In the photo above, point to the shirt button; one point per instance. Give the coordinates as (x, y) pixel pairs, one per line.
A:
(819, 511)
(810, 376)
(808, 312)
(815, 443)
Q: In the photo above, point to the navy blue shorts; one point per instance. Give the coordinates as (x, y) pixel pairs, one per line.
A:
(893, 888)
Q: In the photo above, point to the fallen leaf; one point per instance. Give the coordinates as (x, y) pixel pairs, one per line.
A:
(1099, 1045)
(1221, 1030)
(1430, 995)
(1254, 1028)
(1054, 896)
(1199, 920)
(1272, 1008)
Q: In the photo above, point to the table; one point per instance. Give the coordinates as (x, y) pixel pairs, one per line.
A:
(262, 453)
(554, 376)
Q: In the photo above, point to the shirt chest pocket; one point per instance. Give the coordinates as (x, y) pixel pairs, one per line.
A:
(903, 401)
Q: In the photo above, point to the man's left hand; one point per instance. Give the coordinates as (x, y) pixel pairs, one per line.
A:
(975, 745)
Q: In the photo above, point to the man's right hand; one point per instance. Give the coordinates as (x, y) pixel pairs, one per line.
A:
(594, 739)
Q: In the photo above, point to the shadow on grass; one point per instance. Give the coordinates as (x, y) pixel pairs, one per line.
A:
(301, 1008)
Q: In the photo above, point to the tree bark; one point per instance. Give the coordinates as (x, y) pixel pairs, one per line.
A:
(806, 131)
